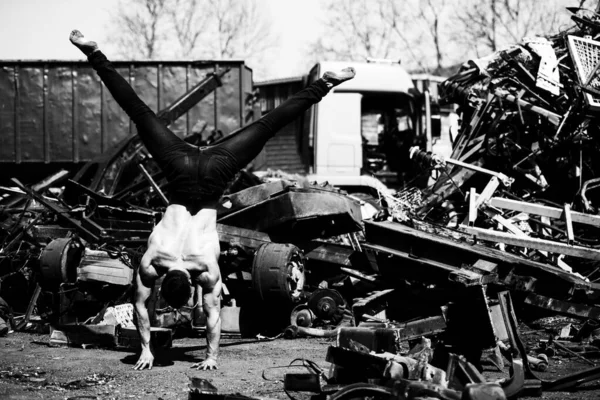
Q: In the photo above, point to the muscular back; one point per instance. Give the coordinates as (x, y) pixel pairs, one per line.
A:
(183, 240)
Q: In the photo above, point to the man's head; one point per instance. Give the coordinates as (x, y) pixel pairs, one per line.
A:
(176, 288)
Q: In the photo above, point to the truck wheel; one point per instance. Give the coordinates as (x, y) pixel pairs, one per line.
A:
(58, 263)
(278, 272)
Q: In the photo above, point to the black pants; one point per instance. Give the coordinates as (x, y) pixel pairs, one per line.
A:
(201, 174)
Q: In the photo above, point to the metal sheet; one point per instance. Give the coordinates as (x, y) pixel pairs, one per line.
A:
(247, 90)
(306, 213)
(30, 106)
(7, 114)
(60, 132)
(58, 111)
(115, 124)
(228, 102)
(172, 86)
(88, 113)
(145, 84)
(202, 113)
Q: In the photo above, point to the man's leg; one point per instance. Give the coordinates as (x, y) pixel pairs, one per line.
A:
(158, 139)
(247, 143)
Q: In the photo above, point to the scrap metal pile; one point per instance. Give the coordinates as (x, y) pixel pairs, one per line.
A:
(525, 162)
(523, 173)
(415, 296)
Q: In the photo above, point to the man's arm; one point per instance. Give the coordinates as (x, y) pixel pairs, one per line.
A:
(211, 304)
(142, 293)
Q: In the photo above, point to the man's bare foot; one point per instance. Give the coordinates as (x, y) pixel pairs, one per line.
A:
(86, 46)
(335, 78)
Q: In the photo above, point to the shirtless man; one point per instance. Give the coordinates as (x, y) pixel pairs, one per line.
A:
(184, 246)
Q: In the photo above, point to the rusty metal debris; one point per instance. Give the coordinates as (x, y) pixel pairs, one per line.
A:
(414, 296)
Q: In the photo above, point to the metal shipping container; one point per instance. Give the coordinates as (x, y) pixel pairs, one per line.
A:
(60, 112)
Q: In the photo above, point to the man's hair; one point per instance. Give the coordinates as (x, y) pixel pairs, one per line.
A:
(176, 288)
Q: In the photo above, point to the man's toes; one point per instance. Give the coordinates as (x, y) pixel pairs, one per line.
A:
(75, 34)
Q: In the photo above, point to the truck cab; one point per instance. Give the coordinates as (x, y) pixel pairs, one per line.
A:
(361, 132)
(358, 136)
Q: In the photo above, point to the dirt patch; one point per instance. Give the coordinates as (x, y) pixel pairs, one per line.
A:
(30, 369)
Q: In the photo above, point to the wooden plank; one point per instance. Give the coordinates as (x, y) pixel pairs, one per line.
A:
(403, 255)
(562, 307)
(569, 223)
(456, 248)
(86, 335)
(99, 266)
(30, 307)
(534, 243)
(544, 211)
(472, 207)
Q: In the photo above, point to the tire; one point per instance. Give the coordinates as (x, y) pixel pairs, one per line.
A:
(278, 272)
(58, 263)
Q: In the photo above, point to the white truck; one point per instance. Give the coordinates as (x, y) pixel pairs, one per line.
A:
(358, 136)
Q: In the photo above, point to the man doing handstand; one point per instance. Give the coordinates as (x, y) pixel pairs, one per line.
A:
(184, 245)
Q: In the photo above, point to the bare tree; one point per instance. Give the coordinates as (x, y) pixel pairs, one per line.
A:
(139, 26)
(193, 29)
(355, 30)
(429, 34)
(407, 29)
(489, 25)
(189, 22)
(432, 12)
(393, 29)
(240, 29)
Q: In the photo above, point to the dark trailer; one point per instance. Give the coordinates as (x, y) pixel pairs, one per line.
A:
(58, 114)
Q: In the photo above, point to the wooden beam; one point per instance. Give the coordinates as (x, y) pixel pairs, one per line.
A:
(534, 243)
(472, 206)
(487, 192)
(544, 211)
(569, 223)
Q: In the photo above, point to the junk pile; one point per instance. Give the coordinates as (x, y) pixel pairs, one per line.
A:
(522, 175)
(524, 166)
(70, 246)
(414, 296)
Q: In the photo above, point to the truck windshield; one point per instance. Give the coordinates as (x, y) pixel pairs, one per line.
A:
(389, 129)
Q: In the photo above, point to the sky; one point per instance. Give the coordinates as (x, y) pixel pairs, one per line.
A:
(39, 29)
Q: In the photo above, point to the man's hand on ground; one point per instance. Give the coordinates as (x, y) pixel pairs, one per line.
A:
(208, 364)
(146, 360)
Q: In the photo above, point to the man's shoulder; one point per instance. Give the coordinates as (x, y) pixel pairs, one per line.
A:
(149, 272)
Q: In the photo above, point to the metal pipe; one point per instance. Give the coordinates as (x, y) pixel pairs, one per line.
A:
(429, 137)
(435, 160)
(153, 184)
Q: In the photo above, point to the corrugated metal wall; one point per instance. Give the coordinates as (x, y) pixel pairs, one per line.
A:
(284, 151)
(59, 111)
